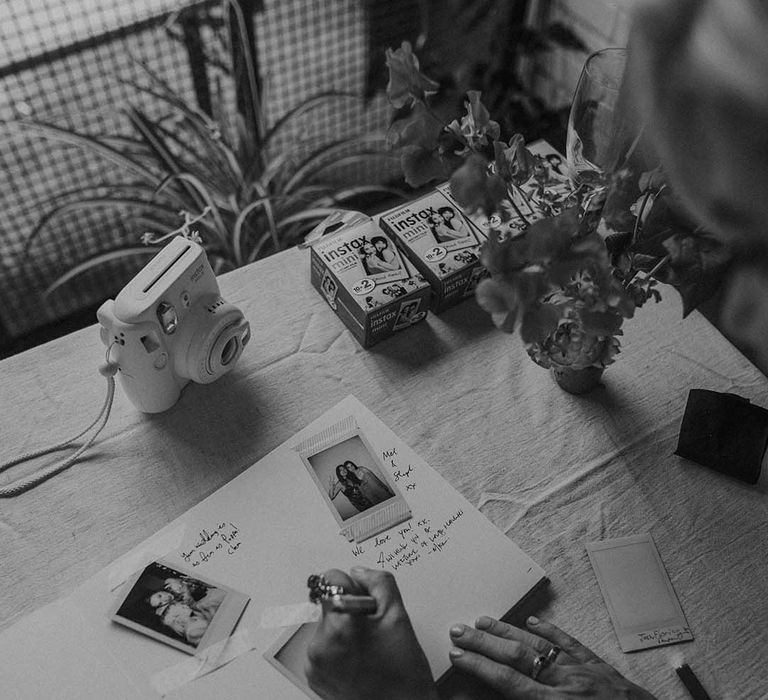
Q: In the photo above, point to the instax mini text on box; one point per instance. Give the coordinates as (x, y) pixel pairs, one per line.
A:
(441, 243)
(367, 281)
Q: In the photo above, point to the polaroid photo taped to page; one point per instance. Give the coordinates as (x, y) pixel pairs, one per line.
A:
(289, 655)
(188, 612)
(352, 481)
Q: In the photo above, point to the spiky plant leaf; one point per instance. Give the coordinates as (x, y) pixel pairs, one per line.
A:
(86, 204)
(96, 261)
(87, 143)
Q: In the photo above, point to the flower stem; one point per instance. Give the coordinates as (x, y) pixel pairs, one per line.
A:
(516, 208)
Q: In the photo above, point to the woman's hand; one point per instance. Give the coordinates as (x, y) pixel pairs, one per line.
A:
(503, 657)
(377, 656)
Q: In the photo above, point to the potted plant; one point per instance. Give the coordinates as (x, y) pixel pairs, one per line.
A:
(567, 265)
(249, 189)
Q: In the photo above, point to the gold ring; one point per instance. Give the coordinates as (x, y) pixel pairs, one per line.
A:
(553, 653)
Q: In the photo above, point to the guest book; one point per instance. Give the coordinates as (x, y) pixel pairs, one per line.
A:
(290, 515)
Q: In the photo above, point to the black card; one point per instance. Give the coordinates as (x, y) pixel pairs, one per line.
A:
(724, 432)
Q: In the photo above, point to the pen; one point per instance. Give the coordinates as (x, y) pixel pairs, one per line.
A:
(336, 599)
(688, 677)
(352, 604)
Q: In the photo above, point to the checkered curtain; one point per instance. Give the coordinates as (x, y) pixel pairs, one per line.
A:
(61, 61)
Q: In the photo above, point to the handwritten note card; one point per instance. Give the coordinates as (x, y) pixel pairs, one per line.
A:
(638, 593)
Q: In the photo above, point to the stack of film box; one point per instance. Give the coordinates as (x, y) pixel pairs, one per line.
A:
(422, 255)
(365, 279)
(444, 244)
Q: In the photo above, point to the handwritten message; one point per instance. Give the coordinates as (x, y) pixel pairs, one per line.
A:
(408, 543)
(665, 635)
(221, 540)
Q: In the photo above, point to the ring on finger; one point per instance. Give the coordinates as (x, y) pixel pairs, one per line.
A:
(553, 653)
(539, 664)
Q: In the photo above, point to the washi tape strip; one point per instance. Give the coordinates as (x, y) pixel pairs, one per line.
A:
(205, 661)
(290, 615)
(128, 565)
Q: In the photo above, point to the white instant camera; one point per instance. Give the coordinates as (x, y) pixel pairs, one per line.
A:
(169, 325)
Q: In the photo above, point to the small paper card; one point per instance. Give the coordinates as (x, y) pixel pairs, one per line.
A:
(638, 593)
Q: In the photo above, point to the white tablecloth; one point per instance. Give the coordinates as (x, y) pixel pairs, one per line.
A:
(551, 470)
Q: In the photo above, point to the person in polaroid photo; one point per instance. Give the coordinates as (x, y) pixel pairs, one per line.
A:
(348, 484)
(372, 488)
(177, 609)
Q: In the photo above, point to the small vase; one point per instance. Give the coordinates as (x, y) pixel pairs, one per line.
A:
(577, 381)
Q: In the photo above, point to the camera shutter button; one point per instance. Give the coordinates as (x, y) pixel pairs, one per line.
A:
(161, 360)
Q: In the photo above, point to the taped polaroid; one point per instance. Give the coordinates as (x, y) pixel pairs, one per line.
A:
(289, 655)
(354, 483)
(188, 612)
(365, 279)
(442, 244)
(545, 193)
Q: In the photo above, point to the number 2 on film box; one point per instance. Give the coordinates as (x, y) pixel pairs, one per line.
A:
(366, 280)
(442, 244)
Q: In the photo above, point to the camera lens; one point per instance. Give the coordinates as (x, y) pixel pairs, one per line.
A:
(229, 351)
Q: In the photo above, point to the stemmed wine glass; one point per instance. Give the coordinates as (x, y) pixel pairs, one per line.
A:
(594, 129)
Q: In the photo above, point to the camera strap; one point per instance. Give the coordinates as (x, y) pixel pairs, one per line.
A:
(108, 371)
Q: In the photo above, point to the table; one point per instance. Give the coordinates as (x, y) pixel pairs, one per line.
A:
(551, 470)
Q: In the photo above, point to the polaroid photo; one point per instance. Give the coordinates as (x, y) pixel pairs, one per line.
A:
(352, 481)
(408, 314)
(289, 655)
(188, 612)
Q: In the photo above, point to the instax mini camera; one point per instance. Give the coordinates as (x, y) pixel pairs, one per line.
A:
(170, 326)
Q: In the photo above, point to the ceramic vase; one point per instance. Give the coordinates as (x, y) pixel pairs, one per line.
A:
(577, 381)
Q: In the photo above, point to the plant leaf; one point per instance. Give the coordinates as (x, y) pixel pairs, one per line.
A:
(95, 261)
(220, 228)
(88, 143)
(335, 154)
(306, 106)
(539, 323)
(406, 83)
(91, 203)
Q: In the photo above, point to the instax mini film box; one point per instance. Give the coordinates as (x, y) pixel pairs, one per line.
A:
(545, 193)
(366, 280)
(442, 244)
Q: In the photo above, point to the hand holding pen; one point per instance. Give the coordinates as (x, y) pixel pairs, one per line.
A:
(335, 597)
(364, 645)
